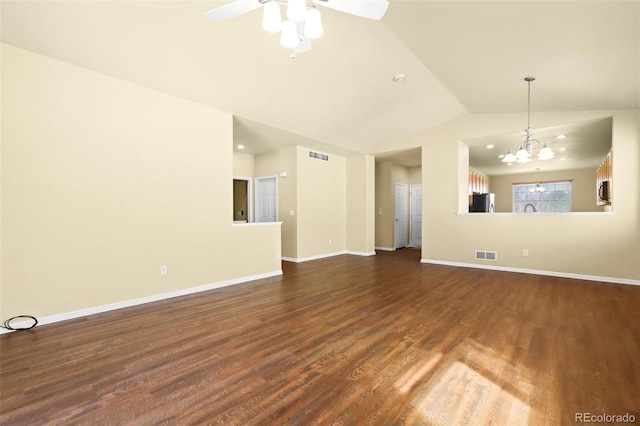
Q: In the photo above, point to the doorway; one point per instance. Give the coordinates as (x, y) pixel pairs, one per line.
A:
(401, 215)
(242, 199)
(267, 199)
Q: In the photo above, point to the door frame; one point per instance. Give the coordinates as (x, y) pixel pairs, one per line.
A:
(249, 196)
(257, 194)
(411, 215)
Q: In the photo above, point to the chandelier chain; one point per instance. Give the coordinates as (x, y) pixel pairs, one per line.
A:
(528, 107)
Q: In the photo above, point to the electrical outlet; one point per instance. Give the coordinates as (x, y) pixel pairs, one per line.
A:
(525, 252)
(163, 270)
(278, 255)
(329, 241)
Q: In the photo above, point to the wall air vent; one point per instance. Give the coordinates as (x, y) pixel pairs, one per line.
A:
(486, 255)
(318, 156)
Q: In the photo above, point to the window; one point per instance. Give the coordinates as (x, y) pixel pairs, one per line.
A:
(544, 197)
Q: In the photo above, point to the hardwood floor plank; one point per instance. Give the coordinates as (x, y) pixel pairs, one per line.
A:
(381, 340)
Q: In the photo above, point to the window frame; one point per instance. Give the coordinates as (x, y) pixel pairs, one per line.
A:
(539, 203)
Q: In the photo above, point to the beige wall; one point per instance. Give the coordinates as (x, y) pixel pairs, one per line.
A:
(315, 191)
(583, 188)
(360, 223)
(415, 175)
(243, 164)
(322, 205)
(606, 245)
(272, 164)
(104, 181)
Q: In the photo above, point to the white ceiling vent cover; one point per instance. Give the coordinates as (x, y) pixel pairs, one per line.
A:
(318, 156)
(486, 255)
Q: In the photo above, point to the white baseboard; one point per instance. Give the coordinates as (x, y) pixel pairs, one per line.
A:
(535, 272)
(316, 257)
(325, 255)
(361, 253)
(386, 248)
(133, 302)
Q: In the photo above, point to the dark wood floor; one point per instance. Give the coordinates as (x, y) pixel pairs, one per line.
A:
(345, 340)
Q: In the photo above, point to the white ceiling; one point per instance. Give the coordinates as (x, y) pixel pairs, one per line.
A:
(458, 57)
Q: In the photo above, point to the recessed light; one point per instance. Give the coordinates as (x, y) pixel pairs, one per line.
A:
(562, 149)
(240, 146)
(561, 137)
(490, 146)
(563, 159)
(398, 78)
(501, 156)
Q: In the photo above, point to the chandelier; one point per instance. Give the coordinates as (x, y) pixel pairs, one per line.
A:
(525, 150)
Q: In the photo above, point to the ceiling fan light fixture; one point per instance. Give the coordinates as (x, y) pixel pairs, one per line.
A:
(271, 19)
(308, 20)
(296, 10)
(289, 36)
(313, 24)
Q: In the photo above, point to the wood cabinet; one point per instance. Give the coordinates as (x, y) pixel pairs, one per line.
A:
(477, 185)
(604, 181)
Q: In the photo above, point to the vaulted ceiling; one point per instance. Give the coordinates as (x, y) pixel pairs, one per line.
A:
(457, 57)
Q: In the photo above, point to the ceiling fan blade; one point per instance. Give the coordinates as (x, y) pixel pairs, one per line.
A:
(372, 9)
(231, 10)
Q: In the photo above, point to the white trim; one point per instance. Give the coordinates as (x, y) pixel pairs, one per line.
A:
(243, 224)
(325, 255)
(361, 253)
(536, 272)
(386, 248)
(316, 257)
(537, 214)
(140, 301)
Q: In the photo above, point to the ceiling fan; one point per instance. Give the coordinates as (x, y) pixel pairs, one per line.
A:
(302, 23)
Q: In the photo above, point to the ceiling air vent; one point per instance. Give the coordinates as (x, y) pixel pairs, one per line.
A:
(486, 255)
(318, 156)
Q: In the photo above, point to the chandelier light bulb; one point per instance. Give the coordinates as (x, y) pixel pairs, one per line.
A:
(296, 10)
(289, 35)
(522, 156)
(509, 158)
(313, 24)
(271, 20)
(546, 153)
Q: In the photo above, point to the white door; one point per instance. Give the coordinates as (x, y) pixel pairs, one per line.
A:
(415, 216)
(266, 199)
(401, 215)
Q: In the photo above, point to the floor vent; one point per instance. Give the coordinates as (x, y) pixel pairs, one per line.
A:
(486, 255)
(319, 156)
